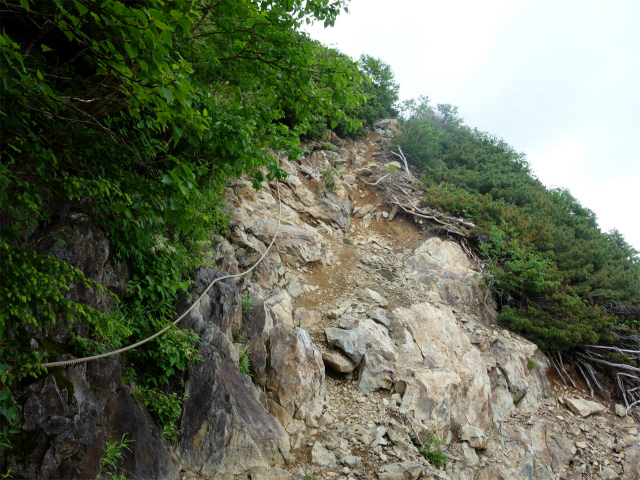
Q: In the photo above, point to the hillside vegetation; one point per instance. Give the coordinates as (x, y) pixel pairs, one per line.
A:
(560, 281)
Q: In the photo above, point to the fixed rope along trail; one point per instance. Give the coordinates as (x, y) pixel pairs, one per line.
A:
(175, 322)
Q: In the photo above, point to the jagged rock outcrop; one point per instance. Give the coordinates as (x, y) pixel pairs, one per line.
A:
(222, 306)
(446, 270)
(295, 376)
(69, 416)
(226, 429)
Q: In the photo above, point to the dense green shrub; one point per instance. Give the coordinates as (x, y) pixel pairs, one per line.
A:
(379, 97)
(559, 279)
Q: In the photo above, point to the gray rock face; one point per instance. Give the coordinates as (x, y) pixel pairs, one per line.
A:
(258, 320)
(226, 429)
(444, 268)
(64, 429)
(221, 306)
(68, 417)
(150, 457)
(295, 378)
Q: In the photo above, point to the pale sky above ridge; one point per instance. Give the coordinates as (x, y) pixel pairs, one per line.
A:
(559, 81)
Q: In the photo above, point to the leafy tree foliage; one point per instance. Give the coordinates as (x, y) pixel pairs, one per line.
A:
(378, 97)
(560, 280)
(137, 114)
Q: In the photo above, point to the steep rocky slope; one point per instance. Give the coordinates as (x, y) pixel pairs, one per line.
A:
(366, 334)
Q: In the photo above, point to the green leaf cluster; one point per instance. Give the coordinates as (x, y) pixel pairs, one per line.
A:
(113, 454)
(165, 407)
(432, 450)
(560, 280)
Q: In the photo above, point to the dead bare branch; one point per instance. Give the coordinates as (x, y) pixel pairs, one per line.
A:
(406, 164)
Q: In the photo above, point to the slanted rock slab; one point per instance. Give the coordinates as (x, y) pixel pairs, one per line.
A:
(402, 470)
(584, 407)
(337, 362)
(321, 456)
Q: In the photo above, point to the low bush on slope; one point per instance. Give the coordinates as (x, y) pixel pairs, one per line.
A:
(559, 279)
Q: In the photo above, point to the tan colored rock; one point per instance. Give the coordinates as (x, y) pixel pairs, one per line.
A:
(303, 244)
(514, 386)
(364, 210)
(280, 304)
(409, 470)
(321, 456)
(633, 458)
(450, 372)
(337, 362)
(306, 318)
(584, 407)
(475, 437)
(445, 264)
(295, 377)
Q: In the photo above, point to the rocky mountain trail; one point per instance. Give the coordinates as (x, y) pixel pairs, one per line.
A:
(369, 333)
(363, 335)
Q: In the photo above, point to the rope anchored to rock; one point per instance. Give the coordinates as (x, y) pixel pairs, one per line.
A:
(175, 322)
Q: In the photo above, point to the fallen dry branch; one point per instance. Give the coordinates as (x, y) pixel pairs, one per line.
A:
(406, 164)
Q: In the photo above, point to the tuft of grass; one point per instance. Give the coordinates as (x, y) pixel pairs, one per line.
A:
(531, 364)
(247, 302)
(329, 146)
(113, 453)
(244, 362)
(348, 241)
(327, 177)
(432, 450)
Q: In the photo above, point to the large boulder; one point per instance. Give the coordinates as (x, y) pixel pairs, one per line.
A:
(450, 385)
(517, 371)
(445, 268)
(222, 305)
(226, 429)
(295, 377)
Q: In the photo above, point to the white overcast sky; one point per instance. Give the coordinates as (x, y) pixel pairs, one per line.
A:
(557, 79)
